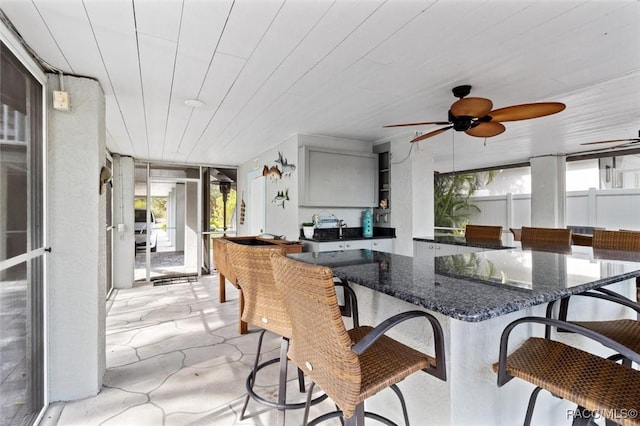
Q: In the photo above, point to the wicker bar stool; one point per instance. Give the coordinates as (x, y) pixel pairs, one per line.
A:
(624, 331)
(483, 233)
(353, 365)
(545, 235)
(264, 308)
(595, 384)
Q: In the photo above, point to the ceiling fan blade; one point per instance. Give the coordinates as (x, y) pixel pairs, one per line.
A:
(471, 107)
(632, 140)
(486, 129)
(430, 134)
(526, 111)
(440, 123)
(607, 148)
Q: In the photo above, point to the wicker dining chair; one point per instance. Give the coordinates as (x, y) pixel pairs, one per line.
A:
(264, 308)
(582, 240)
(597, 385)
(483, 232)
(546, 235)
(349, 366)
(616, 240)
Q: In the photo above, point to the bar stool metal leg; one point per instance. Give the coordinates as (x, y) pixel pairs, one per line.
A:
(532, 403)
(281, 405)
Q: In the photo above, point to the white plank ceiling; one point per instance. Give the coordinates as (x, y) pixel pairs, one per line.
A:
(267, 69)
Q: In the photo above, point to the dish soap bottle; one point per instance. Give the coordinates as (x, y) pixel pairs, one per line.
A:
(367, 224)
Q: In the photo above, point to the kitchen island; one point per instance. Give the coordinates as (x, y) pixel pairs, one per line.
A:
(474, 296)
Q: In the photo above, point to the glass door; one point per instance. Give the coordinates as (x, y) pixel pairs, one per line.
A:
(167, 222)
(22, 244)
(221, 208)
(109, 225)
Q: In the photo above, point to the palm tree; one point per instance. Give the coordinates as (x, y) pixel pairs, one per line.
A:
(452, 208)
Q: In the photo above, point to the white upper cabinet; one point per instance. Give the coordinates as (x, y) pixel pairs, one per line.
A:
(331, 178)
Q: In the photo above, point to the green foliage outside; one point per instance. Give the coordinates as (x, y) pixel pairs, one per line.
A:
(216, 219)
(452, 208)
(158, 206)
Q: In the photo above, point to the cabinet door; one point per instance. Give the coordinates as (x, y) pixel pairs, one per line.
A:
(385, 245)
(331, 246)
(444, 249)
(467, 249)
(357, 244)
(331, 178)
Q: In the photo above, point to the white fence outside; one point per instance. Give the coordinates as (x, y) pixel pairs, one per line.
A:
(605, 208)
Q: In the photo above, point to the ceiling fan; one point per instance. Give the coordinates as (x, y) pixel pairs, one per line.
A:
(624, 142)
(475, 117)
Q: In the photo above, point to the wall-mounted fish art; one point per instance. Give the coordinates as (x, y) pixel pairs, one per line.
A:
(286, 168)
(273, 172)
(280, 198)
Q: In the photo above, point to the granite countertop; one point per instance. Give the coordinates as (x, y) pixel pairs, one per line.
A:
(460, 240)
(323, 235)
(478, 286)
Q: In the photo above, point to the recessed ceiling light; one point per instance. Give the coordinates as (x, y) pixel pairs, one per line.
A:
(194, 103)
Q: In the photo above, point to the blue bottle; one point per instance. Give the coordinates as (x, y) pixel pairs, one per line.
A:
(367, 224)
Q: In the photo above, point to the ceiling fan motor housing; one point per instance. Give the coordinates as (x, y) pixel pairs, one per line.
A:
(461, 91)
(460, 123)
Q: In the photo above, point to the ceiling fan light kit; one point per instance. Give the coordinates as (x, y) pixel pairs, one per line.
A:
(475, 116)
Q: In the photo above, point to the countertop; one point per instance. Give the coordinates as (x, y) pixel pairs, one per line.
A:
(460, 240)
(353, 238)
(478, 286)
(324, 235)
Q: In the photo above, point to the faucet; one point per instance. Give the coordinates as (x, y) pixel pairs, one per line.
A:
(341, 224)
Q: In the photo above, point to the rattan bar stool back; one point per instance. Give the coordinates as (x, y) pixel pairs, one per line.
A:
(353, 365)
(483, 232)
(264, 308)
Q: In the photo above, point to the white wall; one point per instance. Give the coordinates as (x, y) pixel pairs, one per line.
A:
(286, 221)
(279, 220)
(411, 191)
(77, 235)
(605, 208)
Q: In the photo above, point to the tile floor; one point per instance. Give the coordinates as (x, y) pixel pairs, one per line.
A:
(174, 357)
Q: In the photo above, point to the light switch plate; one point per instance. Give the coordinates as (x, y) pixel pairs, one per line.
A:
(61, 100)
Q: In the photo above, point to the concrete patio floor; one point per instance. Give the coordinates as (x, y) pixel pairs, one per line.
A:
(174, 357)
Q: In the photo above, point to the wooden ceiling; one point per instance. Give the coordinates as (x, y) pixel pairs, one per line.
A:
(267, 69)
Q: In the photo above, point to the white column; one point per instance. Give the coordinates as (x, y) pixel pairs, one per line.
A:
(548, 191)
(180, 215)
(171, 213)
(422, 191)
(191, 240)
(77, 235)
(123, 221)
